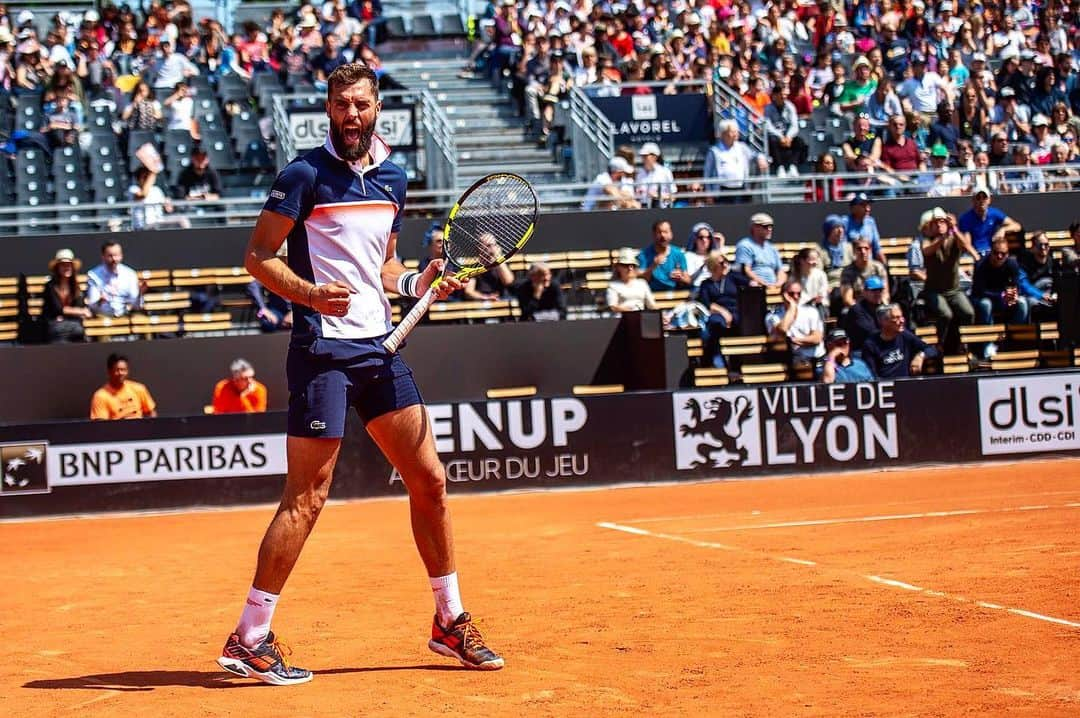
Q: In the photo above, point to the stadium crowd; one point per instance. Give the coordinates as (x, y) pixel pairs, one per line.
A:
(975, 86)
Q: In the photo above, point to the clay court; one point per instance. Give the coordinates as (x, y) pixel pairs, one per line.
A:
(941, 592)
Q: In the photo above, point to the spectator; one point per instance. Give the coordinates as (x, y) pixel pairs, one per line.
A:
(840, 367)
(782, 130)
(799, 324)
(273, 313)
(152, 204)
(539, 298)
(860, 320)
(433, 242)
(756, 256)
(1010, 117)
(328, 60)
(942, 247)
(894, 352)
(899, 153)
(703, 240)
(240, 393)
(824, 189)
(947, 182)
(861, 269)
(1000, 287)
(719, 293)
(859, 224)
(924, 90)
(838, 251)
(171, 68)
(61, 124)
(728, 165)
(943, 130)
(654, 184)
(1026, 178)
(806, 268)
(1042, 143)
(860, 88)
(1062, 178)
(63, 308)
(1070, 256)
(496, 282)
(121, 398)
(982, 221)
(181, 111)
(1039, 266)
(612, 189)
(881, 105)
(113, 289)
(662, 265)
(199, 180)
(143, 112)
(627, 292)
(862, 142)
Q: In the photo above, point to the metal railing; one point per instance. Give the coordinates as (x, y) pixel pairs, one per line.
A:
(691, 191)
(592, 135)
(440, 145)
(729, 105)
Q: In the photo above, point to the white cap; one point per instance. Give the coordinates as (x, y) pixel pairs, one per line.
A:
(649, 148)
(24, 17)
(618, 164)
(930, 215)
(91, 16)
(945, 7)
(981, 189)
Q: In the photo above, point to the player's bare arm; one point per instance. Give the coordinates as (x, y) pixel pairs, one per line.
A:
(263, 263)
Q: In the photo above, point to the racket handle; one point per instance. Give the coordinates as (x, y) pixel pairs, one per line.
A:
(392, 342)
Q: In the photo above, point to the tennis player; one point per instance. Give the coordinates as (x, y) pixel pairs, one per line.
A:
(340, 207)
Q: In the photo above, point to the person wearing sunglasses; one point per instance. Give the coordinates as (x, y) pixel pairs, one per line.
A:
(1000, 288)
(1040, 267)
(798, 323)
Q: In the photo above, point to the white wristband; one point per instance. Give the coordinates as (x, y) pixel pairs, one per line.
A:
(407, 282)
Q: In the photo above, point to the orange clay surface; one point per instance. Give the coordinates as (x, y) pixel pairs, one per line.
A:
(691, 601)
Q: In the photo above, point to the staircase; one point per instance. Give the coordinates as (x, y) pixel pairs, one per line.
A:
(488, 136)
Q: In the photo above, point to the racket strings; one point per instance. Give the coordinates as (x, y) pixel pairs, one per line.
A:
(490, 223)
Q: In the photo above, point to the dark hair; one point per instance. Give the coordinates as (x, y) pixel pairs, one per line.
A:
(1074, 227)
(115, 359)
(657, 223)
(350, 74)
(107, 243)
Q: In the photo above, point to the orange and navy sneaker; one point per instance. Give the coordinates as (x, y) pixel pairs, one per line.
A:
(462, 640)
(266, 661)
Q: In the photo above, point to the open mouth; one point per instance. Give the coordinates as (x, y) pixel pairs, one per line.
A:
(351, 134)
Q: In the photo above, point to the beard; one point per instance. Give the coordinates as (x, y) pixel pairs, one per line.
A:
(353, 150)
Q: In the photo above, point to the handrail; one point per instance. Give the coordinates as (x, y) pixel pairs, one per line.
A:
(557, 197)
(592, 135)
(729, 105)
(440, 145)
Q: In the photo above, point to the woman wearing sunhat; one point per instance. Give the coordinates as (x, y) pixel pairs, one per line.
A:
(64, 308)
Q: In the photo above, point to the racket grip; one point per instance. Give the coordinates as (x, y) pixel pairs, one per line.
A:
(392, 342)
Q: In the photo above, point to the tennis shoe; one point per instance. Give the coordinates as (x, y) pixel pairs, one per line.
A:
(266, 661)
(462, 640)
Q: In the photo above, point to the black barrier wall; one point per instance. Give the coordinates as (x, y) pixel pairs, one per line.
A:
(645, 437)
(451, 363)
(168, 249)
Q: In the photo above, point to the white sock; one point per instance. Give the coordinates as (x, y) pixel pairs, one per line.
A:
(254, 623)
(447, 598)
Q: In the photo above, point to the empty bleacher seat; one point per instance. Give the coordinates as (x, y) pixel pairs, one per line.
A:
(219, 147)
(451, 25)
(395, 27)
(423, 26)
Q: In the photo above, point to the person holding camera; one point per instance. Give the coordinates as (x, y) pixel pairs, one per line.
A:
(942, 247)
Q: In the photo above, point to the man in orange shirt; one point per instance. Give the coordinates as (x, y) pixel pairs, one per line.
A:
(121, 398)
(240, 393)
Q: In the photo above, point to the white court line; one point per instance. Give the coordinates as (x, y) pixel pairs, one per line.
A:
(871, 519)
(892, 583)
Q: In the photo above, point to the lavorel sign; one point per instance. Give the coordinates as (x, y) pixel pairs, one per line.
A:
(1030, 413)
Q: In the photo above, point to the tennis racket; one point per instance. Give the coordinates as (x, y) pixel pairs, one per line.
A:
(488, 225)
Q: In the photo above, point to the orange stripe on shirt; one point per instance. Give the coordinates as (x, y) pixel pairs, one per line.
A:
(361, 205)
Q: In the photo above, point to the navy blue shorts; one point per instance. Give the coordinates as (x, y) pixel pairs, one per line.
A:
(331, 375)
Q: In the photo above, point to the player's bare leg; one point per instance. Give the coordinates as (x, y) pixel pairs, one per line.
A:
(253, 650)
(405, 437)
(311, 469)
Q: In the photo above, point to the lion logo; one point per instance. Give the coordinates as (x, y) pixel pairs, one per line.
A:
(719, 428)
